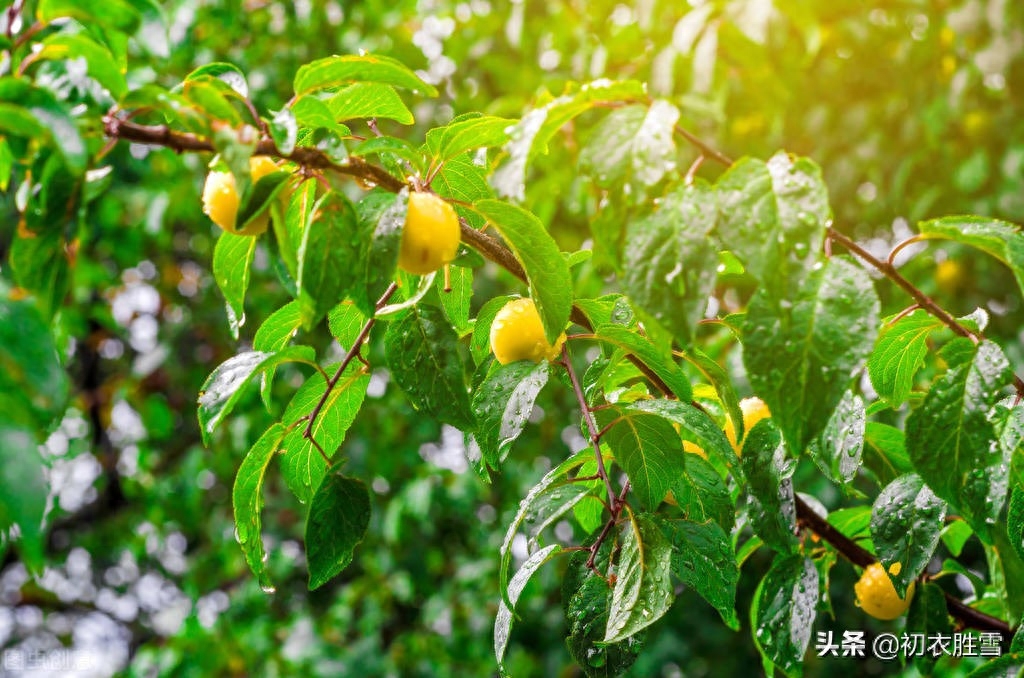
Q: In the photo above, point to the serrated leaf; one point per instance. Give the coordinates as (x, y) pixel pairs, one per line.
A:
(99, 61)
(898, 354)
(837, 450)
(650, 452)
(768, 472)
(328, 257)
(22, 104)
(546, 269)
(928, 616)
(999, 239)
(116, 14)
(33, 384)
(950, 440)
(906, 520)
(885, 452)
(782, 616)
(703, 559)
(423, 355)
(463, 181)
(232, 261)
(224, 387)
(302, 465)
(311, 112)
(503, 404)
(669, 261)
(503, 620)
(460, 136)
(455, 301)
(703, 429)
(633, 143)
(547, 501)
(632, 342)
(801, 352)
(337, 521)
(702, 494)
(335, 71)
(369, 100)
(247, 500)
(23, 491)
(773, 216)
(643, 592)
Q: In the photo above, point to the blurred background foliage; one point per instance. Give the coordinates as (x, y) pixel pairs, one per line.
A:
(912, 107)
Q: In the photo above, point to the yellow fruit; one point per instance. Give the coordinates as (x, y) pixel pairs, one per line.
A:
(754, 410)
(877, 596)
(949, 276)
(221, 199)
(517, 334)
(430, 238)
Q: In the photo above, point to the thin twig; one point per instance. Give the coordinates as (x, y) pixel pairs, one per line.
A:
(588, 418)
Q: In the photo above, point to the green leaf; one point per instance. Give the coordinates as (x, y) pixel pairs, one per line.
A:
(885, 452)
(247, 500)
(284, 130)
(670, 263)
(954, 535)
(702, 494)
(503, 404)
(722, 383)
(302, 465)
(480, 343)
(313, 113)
(703, 429)
(232, 262)
(463, 181)
(632, 144)
(340, 70)
(1015, 521)
(229, 74)
(547, 501)
(369, 100)
(950, 439)
(898, 354)
(928, 615)
(632, 342)
(546, 269)
(768, 472)
(423, 355)
(905, 523)
(837, 450)
(23, 491)
(274, 334)
(455, 302)
(51, 117)
(33, 384)
(224, 387)
(465, 135)
(643, 592)
(116, 14)
(99, 61)
(587, 599)
(337, 522)
(703, 559)
(260, 196)
(650, 452)
(503, 620)
(328, 257)
(802, 352)
(782, 616)
(999, 239)
(387, 213)
(1005, 666)
(773, 217)
(530, 136)
(40, 265)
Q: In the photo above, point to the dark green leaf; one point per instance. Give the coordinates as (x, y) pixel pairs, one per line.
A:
(340, 70)
(328, 255)
(503, 404)
(1015, 521)
(703, 559)
(226, 384)
(651, 453)
(703, 429)
(927, 615)
(338, 518)
(670, 263)
(720, 380)
(284, 130)
(951, 441)
(905, 523)
(247, 500)
(885, 452)
(802, 352)
(40, 265)
(259, 197)
(232, 261)
(768, 472)
(33, 384)
(782, 616)
(632, 342)
(546, 270)
(23, 491)
(423, 356)
(643, 591)
(837, 450)
(898, 354)
(702, 494)
(388, 219)
(50, 115)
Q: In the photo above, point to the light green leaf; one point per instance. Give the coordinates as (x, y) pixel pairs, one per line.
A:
(116, 14)
(782, 616)
(99, 61)
(23, 491)
(999, 239)
(632, 342)
(642, 593)
(465, 135)
(341, 70)
(885, 452)
(369, 100)
(703, 429)
(503, 404)
(337, 522)
(33, 384)
(503, 620)
(898, 354)
(247, 501)
(546, 269)
(232, 261)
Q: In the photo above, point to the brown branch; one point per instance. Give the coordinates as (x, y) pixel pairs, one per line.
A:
(588, 418)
